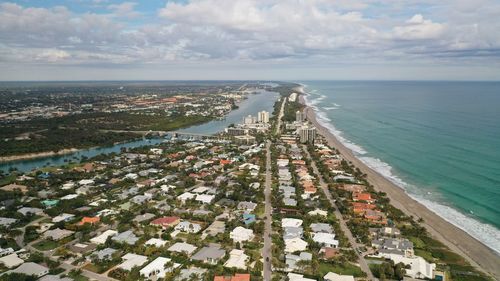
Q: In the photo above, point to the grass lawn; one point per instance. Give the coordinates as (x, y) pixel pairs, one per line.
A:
(344, 269)
(417, 242)
(46, 245)
(424, 254)
(80, 278)
(97, 268)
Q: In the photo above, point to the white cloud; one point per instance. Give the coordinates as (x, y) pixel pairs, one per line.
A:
(125, 9)
(418, 28)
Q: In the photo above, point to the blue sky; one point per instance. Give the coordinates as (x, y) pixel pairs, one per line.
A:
(250, 39)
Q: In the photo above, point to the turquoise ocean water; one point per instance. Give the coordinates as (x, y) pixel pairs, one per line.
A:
(440, 141)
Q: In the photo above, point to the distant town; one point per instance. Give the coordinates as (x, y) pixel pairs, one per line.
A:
(268, 198)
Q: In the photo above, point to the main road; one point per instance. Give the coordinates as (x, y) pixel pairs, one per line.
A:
(267, 249)
(280, 116)
(343, 225)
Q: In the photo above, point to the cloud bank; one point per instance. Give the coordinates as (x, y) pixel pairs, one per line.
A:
(256, 34)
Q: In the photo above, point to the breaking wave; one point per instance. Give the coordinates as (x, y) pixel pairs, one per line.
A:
(487, 234)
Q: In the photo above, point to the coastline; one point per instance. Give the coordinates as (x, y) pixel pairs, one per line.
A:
(6, 159)
(475, 252)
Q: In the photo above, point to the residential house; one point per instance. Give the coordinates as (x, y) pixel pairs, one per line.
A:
(89, 220)
(295, 245)
(291, 260)
(236, 277)
(215, 228)
(325, 239)
(166, 222)
(331, 276)
(187, 274)
(321, 227)
(158, 268)
(298, 277)
(57, 234)
(211, 254)
(241, 234)
(237, 259)
(205, 198)
(101, 239)
(189, 227)
(29, 211)
(247, 206)
(158, 243)
(127, 237)
(30, 268)
(63, 218)
(104, 254)
(181, 247)
(11, 260)
(132, 260)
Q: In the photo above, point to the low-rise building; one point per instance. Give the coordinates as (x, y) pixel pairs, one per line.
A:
(158, 268)
(237, 259)
(241, 234)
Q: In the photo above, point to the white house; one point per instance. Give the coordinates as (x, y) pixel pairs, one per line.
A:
(325, 239)
(189, 227)
(155, 242)
(132, 260)
(240, 234)
(294, 245)
(237, 259)
(31, 268)
(186, 196)
(205, 198)
(62, 217)
(82, 182)
(331, 276)
(158, 268)
(290, 222)
(318, 212)
(11, 260)
(298, 277)
(131, 176)
(101, 239)
(419, 268)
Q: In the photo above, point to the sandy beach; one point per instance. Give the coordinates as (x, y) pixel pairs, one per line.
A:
(456, 239)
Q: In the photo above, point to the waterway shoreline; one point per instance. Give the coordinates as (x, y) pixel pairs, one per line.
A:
(13, 158)
(459, 241)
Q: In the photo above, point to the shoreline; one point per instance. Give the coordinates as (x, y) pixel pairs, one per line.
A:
(459, 241)
(28, 156)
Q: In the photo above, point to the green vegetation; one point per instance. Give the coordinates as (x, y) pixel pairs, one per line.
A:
(17, 277)
(46, 245)
(388, 270)
(343, 268)
(86, 130)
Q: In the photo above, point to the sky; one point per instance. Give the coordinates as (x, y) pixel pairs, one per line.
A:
(250, 39)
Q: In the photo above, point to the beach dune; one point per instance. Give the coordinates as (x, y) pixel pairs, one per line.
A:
(478, 254)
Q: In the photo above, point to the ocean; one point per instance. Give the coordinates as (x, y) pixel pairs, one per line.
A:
(439, 141)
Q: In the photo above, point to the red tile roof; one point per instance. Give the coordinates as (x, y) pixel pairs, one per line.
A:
(166, 221)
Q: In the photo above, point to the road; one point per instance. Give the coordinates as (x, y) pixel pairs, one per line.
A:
(280, 116)
(266, 250)
(343, 226)
(20, 238)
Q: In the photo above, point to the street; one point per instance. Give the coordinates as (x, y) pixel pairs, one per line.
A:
(266, 250)
(361, 261)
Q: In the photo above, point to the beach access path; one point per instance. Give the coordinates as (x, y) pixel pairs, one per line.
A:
(476, 253)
